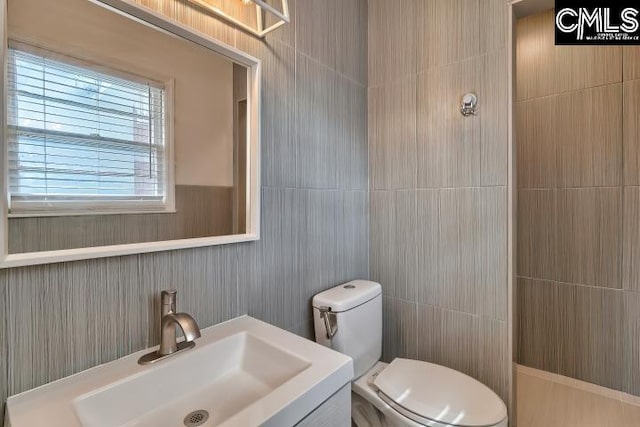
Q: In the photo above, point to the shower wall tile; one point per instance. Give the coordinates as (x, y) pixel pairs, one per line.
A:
(351, 136)
(537, 142)
(316, 151)
(537, 236)
(631, 343)
(591, 331)
(494, 25)
(474, 345)
(392, 40)
(495, 358)
(538, 324)
(589, 137)
(494, 137)
(427, 231)
(351, 39)
(392, 135)
(593, 257)
(631, 240)
(546, 69)
(473, 250)
(453, 253)
(631, 132)
(316, 28)
(399, 324)
(459, 19)
(449, 150)
(448, 338)
(631, 62)
(393, 256)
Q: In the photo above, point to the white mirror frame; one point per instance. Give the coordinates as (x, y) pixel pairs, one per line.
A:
(151, 18)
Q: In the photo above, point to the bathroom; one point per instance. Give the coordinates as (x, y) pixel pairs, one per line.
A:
(406, 213)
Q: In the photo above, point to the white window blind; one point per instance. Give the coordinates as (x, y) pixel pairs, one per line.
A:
(82, 139)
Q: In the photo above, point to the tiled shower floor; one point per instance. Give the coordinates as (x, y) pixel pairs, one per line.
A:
(543, 402)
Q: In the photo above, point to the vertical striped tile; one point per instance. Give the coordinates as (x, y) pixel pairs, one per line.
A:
(392, 135)
(458, 346)
(391, 40)
(449, 148)
(593, 257)
(351, 39)
(591, 334)
(428, 259)
(494, 137)
(472, 250)
(316, 27)
(631, 343)
(494, 356)
(268, 268)
(315, 114)
(459, 19)
(589, 138)
(538, 311)
(393, 259)
(537, 130)
(631, 132)
(631, 239)
(352, 222)
(399, 326)
(537, 236)
(351, 135)
(315, 222)
(631, 62)
(65, 330)
(278, 126)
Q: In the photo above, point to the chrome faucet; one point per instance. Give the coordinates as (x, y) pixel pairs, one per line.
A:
(169, 345)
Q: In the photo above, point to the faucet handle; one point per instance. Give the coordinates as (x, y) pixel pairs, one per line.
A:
(169, 301)
(169, 296)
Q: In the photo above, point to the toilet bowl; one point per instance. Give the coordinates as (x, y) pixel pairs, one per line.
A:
(403, 393)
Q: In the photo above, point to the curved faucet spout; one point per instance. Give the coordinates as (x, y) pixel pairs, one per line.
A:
(168, 344)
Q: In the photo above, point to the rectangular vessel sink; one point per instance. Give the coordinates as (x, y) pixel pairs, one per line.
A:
(230, 375)
(241, 373)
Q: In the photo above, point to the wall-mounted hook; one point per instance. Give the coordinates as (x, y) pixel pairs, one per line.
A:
(469, 105)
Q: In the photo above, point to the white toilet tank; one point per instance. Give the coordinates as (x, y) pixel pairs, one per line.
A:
(356, 318)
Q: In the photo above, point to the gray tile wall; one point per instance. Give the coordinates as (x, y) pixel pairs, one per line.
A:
(438, 182)
(62, 318)
(578, 208)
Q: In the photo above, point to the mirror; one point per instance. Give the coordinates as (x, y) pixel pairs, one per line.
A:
(121, 132)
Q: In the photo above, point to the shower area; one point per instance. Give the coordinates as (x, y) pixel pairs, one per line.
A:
(577, 312)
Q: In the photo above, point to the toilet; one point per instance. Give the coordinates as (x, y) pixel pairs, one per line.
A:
(403, 393)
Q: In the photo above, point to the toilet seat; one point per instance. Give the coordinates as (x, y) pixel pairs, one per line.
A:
(414, 393)
(427, 392)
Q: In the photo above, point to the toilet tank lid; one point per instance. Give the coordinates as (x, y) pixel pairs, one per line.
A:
(347, 296)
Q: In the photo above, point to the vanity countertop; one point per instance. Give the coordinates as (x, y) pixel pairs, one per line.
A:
(243, 372)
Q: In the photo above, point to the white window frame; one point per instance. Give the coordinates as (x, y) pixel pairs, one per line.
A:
(155, 20)
(105, 206)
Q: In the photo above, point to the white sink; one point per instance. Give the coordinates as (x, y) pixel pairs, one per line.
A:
(242, 373)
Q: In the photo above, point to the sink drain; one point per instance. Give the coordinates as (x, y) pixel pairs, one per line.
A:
(196, 418)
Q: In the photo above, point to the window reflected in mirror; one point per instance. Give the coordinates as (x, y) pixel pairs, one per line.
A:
(118, 132)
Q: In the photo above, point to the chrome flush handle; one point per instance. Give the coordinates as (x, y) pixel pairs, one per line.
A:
(325, 313)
